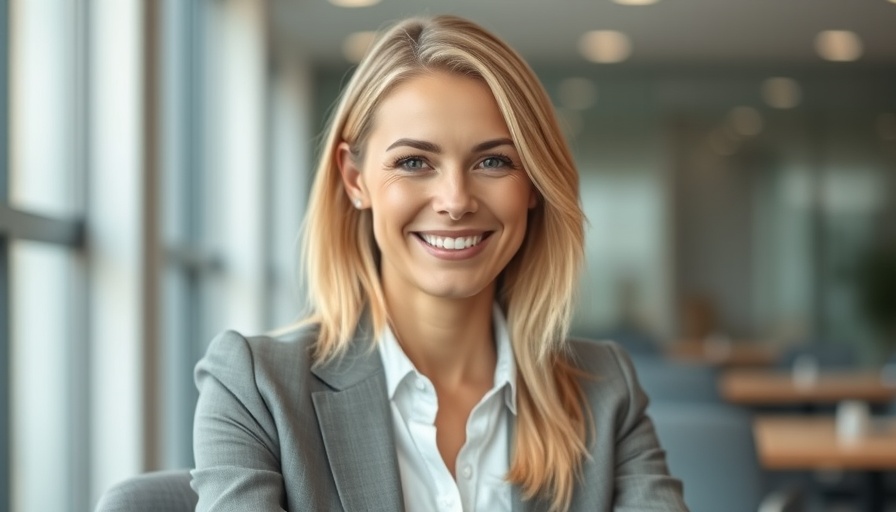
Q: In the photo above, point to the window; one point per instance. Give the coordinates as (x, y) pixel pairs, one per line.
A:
(150, 194)
(42, 245)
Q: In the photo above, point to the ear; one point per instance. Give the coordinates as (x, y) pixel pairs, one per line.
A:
(350, 171)
(533, 197)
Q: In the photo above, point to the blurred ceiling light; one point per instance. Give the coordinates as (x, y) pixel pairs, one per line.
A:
(886, 123)
(356, 45)
(838, 45)
(605, 46)
(354, 3)
(577, 93)
(649, 2)
(780, 92)
(745, 121)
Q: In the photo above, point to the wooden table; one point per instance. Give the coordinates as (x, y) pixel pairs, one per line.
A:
(762, 387)
(811, 443)
(732, 354)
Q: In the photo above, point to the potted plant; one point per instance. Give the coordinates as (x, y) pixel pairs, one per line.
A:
(877, 293)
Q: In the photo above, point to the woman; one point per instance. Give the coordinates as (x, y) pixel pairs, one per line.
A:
(442, 245)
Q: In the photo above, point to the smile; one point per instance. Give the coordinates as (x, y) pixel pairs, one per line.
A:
(451, 243)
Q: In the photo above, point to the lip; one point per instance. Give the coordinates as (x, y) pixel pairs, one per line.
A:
(454, 254)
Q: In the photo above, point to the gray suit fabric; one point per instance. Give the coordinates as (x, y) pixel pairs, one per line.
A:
(160, 491)
(274, 433)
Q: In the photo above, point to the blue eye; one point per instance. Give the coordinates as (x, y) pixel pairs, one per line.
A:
(412, 163)
(496, 162)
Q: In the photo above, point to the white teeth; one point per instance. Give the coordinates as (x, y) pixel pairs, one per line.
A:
(452, 243)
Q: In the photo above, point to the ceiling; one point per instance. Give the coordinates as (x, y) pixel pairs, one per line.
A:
(671, 32)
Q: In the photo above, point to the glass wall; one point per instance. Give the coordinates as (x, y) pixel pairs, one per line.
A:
(157, 164)
(42, 245)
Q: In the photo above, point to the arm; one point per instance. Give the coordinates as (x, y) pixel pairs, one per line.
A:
(642, 477)
(234, 435)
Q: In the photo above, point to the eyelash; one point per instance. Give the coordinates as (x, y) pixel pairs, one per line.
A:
(505, 160)
(400, 161)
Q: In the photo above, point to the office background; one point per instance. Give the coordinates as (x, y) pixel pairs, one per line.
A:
(156, 156)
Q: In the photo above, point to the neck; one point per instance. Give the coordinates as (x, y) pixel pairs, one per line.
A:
(449, 340)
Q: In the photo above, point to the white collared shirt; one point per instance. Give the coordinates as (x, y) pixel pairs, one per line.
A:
(482, 461)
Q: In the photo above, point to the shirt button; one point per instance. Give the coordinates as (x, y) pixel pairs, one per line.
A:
(467, 472)
(447, 501)
(420, 384)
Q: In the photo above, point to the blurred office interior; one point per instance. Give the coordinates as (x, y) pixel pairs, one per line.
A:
(737, 163)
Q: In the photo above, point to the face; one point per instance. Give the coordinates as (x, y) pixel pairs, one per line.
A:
(446, 188)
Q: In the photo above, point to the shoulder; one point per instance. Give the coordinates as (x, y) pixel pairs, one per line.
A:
(599, 358)
(289, 348)
(260, 360)
(608, 377)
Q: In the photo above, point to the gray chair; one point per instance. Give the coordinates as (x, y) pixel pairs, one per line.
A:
(636, 342)
(826, 354)
(710, 448)
(159, 491)
(672, 381)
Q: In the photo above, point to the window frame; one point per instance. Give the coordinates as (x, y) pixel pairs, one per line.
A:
(5, 330)
(66, 232)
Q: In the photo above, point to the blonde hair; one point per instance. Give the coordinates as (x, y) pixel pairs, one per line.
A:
(535, 289)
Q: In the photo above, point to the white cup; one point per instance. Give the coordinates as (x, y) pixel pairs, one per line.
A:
(888, 374)
(853, 420)
(805, 371)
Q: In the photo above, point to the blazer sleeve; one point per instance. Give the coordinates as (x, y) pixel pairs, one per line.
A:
(235, 439)
(642, 478)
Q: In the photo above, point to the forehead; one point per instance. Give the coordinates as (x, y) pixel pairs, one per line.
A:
(442, 104)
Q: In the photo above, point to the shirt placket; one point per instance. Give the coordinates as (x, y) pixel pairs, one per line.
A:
(422, 422)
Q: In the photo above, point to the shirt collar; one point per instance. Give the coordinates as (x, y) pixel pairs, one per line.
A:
(505, 368)
(395, 362)
(397, 365)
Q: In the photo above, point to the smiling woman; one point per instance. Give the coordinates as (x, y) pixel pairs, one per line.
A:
(433, 198)
(433, 372)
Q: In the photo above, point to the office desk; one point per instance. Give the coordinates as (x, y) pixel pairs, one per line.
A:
(796, 442)
(763, 387)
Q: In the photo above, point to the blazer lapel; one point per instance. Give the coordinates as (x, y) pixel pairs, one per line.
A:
(536, 504)
(518, 504)
(356, 424)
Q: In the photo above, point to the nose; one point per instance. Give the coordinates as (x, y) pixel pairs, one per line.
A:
(453, 195)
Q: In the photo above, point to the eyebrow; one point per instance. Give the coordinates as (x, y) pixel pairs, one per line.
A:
(429, 147)
(491, 144)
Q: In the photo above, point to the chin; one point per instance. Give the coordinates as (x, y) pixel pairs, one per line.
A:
(452, 291)
(452, 294)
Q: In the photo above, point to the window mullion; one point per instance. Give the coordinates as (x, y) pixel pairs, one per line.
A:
(5, 330)
(29, 226)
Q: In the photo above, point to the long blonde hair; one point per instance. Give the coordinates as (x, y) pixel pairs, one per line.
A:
(535, 290)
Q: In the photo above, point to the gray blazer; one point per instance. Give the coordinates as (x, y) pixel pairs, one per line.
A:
(273, 433)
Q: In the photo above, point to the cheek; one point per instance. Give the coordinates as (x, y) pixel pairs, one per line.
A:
(392, 207)
(396, 196)
(516, 201)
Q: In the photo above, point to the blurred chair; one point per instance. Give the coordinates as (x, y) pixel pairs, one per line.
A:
(159, 491)
(710, 448)
(667, 380)
(635, 341)
(826, 354)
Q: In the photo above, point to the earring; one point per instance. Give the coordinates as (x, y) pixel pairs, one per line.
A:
(358, 203)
